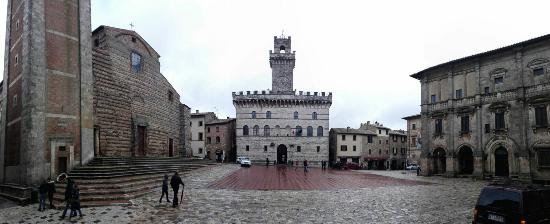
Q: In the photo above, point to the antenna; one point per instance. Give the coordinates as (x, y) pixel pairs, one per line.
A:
(132, 26)
(283, 33)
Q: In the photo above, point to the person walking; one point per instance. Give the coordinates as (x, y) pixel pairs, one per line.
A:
(266, 161)
(165, 189)
(305, 166)
(75, 202)
(42, 190)
(68, 196)
(175, 183)
(51, 191)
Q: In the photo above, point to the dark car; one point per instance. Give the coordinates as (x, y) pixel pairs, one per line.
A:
(513, 204)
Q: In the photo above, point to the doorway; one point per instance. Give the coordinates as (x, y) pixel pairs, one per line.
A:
(281, 154)
(61, 164)
(465, 160)
(501, 162)
(440, 161)
(141, 141)
(170, 147)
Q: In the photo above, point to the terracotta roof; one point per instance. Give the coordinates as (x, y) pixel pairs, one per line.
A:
(411, 117)
(220, 121)
(352, 131)
(546, 37)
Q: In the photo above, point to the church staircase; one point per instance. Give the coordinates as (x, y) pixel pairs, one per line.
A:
(115, 181)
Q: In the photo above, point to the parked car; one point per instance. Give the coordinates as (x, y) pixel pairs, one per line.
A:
(244, 161)
(412, 167)
(513, 204)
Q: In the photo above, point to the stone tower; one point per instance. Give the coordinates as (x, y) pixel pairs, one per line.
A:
(47, 121)
(281, 60)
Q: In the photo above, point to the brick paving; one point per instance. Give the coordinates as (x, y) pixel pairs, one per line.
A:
(444, 200)
(294, 178)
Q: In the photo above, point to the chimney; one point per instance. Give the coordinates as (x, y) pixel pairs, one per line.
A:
(227, 117)
(197, 111)
(348, 129)
(368, 122)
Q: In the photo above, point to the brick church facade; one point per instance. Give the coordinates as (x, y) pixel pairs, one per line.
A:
(70, 95)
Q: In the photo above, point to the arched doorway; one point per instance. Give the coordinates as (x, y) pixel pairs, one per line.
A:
(440, 161)
(281, 154)
(465, 160)
(501, 162)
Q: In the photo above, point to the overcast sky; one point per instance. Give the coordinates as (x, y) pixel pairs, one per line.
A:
(361, 51)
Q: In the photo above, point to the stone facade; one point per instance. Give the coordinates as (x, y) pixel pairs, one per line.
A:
(348, 145)
(198, 132)
(220, 140)
(487, 114)
(185, 131)
(373, 146)
(414, 148)
(47, 121)
(282, 124)
(137, 111)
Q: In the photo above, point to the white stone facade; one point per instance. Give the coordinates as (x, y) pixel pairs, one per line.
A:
(274, 118)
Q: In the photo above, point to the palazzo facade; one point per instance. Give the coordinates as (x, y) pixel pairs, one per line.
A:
(282, 124)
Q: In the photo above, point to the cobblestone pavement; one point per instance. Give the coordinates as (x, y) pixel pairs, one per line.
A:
(446, 200)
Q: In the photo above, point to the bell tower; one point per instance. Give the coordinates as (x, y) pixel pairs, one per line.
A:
(281, 60)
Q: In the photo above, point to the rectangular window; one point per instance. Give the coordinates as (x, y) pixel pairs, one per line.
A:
(541, 118)
(318, 148)
(190, 124)
(200, 136)
(387, 142)
(538, 71)
(387, 132)
(343, 137)
(200, 123)
(354, 137)
(438, 126)
(499, 121)
(458, 94)
(208, 140)
(217, 129)
(200, 150)
(379, 132)
(465, 124)
(136, 62)
(543, 157)
(499, 80)
(265, 148)
(170, 96)
(433, 99)
(370, 151)
(247, 148)
(486, 90)
(487, 128)
(354, 148)
(343, 148)
(413, 126)
(369, 139)
(413, 141)
(298, 148)
(208, 130)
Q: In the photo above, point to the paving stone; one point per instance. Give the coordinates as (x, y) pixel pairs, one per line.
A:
(444, 200)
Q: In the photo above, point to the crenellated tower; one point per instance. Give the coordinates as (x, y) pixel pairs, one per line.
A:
(281, 60)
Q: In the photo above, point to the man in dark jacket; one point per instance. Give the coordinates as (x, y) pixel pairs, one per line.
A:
(175, 183)
(51, 191)
(42, 190)
(68, 196)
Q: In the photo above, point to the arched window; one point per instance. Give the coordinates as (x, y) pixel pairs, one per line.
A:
(256, 130)
(296, 115)
(253, 114)
(277, 130)
(217, 139)
(320, 131)
(314, 116)
(245, 130)
(268, 115)
(267, 131)
(309, 131)
(298, 130)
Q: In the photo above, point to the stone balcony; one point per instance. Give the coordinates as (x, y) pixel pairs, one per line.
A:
(488, 98)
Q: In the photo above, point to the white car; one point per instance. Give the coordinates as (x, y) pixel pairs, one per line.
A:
(244, 161)
(413, 167)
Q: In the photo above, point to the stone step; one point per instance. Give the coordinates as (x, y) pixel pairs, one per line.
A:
(127, 168)
(122, 174)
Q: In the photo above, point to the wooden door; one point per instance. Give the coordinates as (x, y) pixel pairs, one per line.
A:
(141, 141)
